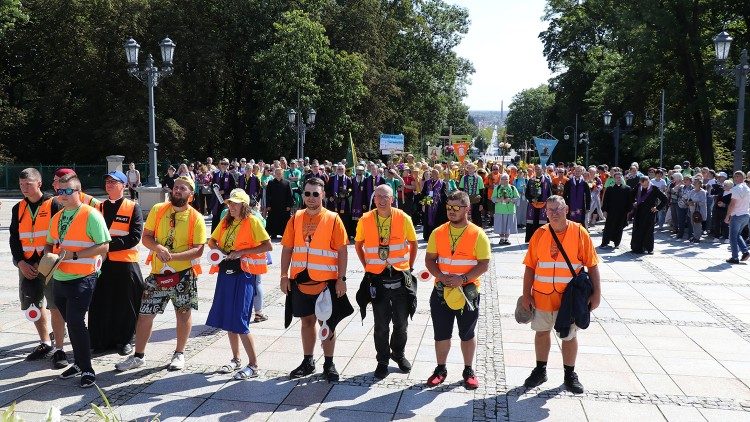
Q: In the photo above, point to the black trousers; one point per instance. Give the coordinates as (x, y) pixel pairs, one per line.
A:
(476, 215)
(392, 305)
(113, 312)
(73, 298)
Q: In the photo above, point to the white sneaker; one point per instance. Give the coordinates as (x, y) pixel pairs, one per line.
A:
(131, 362)
(178, 362)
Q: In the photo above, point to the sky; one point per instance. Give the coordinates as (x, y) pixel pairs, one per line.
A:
(504, 46)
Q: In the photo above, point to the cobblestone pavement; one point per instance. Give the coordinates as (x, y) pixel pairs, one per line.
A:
(671, 341)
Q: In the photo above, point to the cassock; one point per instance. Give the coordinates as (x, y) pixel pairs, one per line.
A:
(117, 296)
(360, 200)
(643, 218)
(338, 191)
(618, 201)
(538, 190)
(577, 195)
(226, 183)
(279, 201)
(371, 182)
(251, 185)
(435, 214)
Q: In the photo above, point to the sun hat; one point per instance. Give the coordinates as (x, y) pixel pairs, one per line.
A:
(48, 265)
(238, 196)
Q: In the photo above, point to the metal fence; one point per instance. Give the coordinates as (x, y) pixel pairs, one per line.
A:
(91, 175)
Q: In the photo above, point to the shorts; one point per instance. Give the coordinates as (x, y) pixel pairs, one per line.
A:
(36, 292)
(303, 304)
(443, 317)
(545, 321)
(184, 295)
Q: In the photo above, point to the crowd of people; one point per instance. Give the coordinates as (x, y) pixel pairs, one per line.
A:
(78, 255)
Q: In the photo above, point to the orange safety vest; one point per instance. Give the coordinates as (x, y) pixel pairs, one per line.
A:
(33, 230)
(318, 258)
(86, 198)
(551, 276)
(463, 259)
(75, 240)
(121, 227)
(192, 219)
(250, 263)
(398, 247)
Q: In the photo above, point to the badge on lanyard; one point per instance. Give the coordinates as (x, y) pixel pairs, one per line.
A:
(383, 252)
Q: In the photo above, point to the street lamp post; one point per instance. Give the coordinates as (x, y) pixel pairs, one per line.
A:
(618, 131)
(298, 123)
(650, 122)
(584, 138)
(722, 42)
(150, 76)
(566, 136)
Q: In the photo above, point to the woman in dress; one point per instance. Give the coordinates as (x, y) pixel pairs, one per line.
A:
(243, 239)
(520, 184)
(433, 202)
(505, 196)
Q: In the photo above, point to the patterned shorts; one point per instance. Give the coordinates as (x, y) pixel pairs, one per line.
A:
(184, 295)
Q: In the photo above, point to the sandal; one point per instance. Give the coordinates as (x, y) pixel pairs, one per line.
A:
(260, 317)
(246, 373)
(230, 367)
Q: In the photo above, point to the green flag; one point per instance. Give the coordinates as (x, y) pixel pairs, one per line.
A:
(351, 154)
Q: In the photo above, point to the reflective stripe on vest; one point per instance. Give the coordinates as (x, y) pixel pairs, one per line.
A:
(463, 259)
(192, 219)
(398, 252)
(75, 240)
(551, 276)
(250, 263)
(121, 227)
(320, 260)
(33, 232)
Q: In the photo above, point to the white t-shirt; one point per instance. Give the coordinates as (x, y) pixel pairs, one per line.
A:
(741, 199)
(660, 184)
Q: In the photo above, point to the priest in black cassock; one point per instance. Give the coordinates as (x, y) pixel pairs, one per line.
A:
(360, 200)
(279, 201)
(617, 203)
(648, 201)
(338, 191)
(538, 190)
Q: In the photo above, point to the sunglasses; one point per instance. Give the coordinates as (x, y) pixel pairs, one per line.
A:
(314, 194)
(454, 207)
(66, 191)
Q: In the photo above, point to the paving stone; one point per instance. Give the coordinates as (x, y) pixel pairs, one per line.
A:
(365, 399)
(228, 411)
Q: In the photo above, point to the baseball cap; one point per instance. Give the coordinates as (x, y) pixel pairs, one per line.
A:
(64, 172)
(186, 180)
(117, 175)
(238, 196)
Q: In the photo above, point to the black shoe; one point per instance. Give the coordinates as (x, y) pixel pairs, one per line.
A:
(538, 377)
(88, 379)
(125, 350)
(603, 246)
(403, 364)
(330, 372)
(745, 256)
(60, 359)
(572, 384)
(72, 371)
(306, 368)
(381, 371)
(40, 352)
(733, 261)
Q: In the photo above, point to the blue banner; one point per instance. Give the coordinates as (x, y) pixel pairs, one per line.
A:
(544, 148)
(390, 144)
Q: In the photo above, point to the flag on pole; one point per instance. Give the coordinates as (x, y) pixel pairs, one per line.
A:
(351, 154)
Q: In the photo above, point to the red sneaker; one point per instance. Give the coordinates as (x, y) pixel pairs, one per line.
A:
(437, 378)
(470, 379)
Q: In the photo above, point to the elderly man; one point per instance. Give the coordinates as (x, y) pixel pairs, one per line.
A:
(360, 201)
(649, 200)
(386, 245)
(338, 191)
(473, 185)
(545, 279)
(226, 182)
(279, 202)
(738, 217)
(538, 190)
(577, 195)
(618, 201)
(117, 298)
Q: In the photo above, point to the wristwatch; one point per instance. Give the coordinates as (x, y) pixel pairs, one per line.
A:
(75, 256)
(342, 278)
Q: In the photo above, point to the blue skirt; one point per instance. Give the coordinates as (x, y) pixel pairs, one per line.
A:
(233, 302)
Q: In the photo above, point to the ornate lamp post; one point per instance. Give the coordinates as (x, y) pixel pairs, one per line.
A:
(617, 131)
(150, 76)
(298, 124)
(722, 42)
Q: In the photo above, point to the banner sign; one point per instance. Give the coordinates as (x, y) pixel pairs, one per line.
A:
(461, 150)
(434, 152)
(544, 148)
(391, 143)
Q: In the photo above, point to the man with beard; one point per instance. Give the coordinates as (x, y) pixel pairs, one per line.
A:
(279, 201)
(226, 182)
(117, 297)
(359, 201)
(538, 190)
(473, 186)
(577, 195)
(175, 233)
(338, 190)
(617, 203)
(648, 201)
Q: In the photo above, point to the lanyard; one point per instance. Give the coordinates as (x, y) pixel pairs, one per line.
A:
(454, 242)
(62, 227)
(383, 240)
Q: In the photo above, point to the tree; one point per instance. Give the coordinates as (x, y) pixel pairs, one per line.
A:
(529, 113)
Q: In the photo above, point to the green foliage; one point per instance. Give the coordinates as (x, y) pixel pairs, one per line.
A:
(366, 66)
(528, 114)
(11, 13)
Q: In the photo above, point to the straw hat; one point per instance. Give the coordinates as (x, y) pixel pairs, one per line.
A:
(49, 264)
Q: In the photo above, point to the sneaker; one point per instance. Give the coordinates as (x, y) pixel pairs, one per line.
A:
(304, 369)
(403, 364)
(437, 377)
(381, 371)
(88, 379)
(40, 352)
(470, 379)
(60, 359)
(72, 371)
(733, 261)
(745, 256)
(572, 384)
(538, 377)
(178, 362)
(131, 362)
(330, 372)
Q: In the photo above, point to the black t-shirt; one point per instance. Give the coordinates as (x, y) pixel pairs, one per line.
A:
(16, 248)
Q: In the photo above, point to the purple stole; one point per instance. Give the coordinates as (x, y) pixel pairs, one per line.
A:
(435, 186)
(531, 212)
(358, 197)
(251, 185)
(340, 202)
(640, 197)
(577, 201)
